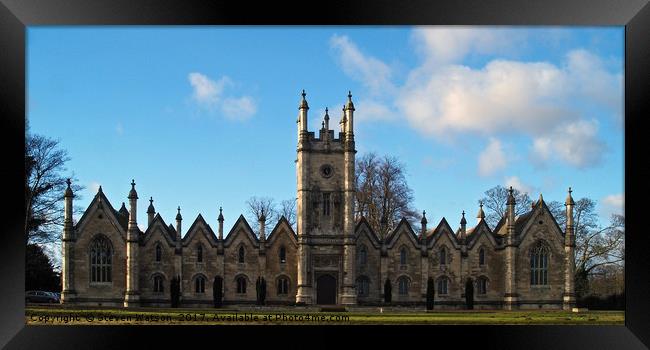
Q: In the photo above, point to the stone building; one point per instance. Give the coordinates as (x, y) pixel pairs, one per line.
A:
(526, 261)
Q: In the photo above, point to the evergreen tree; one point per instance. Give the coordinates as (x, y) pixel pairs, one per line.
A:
(387, 292)
(430, 293)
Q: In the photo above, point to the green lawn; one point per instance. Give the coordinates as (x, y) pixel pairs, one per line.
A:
(38, 315)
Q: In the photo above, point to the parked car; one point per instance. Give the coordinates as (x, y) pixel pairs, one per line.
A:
(56, 295)
(39, 296)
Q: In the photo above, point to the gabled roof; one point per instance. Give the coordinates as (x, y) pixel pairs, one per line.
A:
(159, 222)
(403, 226)
(191, 232)
(112, 214)
(443, 226)
(476, 231)
(520, 226)
(500, 225)
(168, 231)
(276, 231)
(364, 227)
(241, 222)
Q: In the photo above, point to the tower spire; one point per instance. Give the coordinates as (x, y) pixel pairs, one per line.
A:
(326, 120)
(302, 117)
(481, 215)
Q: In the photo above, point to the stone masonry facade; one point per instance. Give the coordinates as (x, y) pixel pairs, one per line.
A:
(525, 262)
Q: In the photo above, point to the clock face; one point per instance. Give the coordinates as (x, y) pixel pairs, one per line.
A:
(326, 170)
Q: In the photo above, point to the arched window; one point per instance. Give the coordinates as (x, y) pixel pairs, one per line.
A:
(241, 254)
(403, 255)
(199, 284)
(539, 265)
(199, 253)
(481, 257)
(481, 285)
(443, 284)
(158, 253)
(158, 284)
(101, 260)
(241, 284)
(283, 255)
(443, 256)
(283, 286)
(403, 283)
(363, 286)
(363, 256)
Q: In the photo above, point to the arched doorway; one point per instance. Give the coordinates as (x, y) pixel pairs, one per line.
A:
(326, 290)
(469, 294)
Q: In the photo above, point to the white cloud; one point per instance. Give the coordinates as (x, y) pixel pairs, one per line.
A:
(451, 44)
(443, 98)
(612, 204)
(575, 143)
(241, 108)
(205, 91)
(492, 159)
(368, 109)
(370, 71)
(516, 183)
(211, 95)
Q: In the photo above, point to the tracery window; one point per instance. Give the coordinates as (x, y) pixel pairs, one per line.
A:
(283, 286)
(241, 285)
(443, 284)
(539, 265)
(443, 256)
(326, 204)
(158, 284)
(403, 284)
(363, 286)
(481, 285)
(363, 256)
(199, 284)
(241, 254)
(403, 256)
(101, 260)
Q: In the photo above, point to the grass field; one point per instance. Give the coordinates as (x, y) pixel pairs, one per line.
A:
(39, 315)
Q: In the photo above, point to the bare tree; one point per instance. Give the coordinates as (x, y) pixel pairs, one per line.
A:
(495, 200)
(44, 188)
(382, 192)
(288, 210)
(256, 206)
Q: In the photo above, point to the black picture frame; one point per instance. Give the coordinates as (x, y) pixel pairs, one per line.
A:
(15, 15)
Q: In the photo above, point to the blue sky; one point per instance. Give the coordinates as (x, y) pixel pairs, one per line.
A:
(204, 117)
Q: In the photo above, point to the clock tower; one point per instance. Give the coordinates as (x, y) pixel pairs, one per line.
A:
(325, 210)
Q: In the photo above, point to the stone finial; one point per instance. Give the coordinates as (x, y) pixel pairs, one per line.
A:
(220, 218)
(133, 194)
(303, 102)
(569, 198)
(424, 217)
(511, 197)
(463, 221)
(151, 209)
(178, 215)
(99, 190)
(349, 105)
(481, 214)
(343, 119)
(262, 216)
(68, 190)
